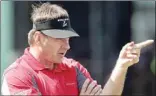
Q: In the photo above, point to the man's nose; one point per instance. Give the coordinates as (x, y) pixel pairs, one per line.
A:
(66, 44)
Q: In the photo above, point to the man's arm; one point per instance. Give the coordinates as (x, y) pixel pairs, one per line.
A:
(115, 84)
(129, 55)
(5, 88)
(14, 85)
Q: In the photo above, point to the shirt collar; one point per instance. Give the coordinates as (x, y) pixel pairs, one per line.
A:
(33, 63)
(60, 67)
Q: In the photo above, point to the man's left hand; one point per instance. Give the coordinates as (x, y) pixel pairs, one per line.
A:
(130, 53)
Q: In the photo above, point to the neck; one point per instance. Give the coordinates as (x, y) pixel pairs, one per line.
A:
(37, 54)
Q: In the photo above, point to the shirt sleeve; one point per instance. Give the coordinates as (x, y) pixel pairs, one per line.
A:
(82, 75)
(83, 70)
(17, 86)
(5, 88)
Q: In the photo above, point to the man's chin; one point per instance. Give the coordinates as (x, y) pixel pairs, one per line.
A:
(59, 61)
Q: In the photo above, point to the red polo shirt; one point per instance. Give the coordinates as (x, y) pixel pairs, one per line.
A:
(26, 76)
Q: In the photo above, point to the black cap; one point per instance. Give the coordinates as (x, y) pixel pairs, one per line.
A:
(56, 28)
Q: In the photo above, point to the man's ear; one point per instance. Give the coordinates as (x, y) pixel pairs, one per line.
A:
(37, 37)
(40, 38)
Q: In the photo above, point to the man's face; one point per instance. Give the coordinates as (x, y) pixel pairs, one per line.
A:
(54, 49)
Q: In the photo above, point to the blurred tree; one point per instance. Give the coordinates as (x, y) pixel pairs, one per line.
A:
(153, 66)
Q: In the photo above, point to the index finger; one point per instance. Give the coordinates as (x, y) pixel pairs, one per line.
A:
(144, 44)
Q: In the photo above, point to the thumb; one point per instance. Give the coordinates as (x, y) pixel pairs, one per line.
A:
(123, 50)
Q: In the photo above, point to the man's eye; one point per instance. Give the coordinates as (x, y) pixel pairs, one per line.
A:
(59, 38)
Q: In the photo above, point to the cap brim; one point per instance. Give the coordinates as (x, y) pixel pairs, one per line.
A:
(58, 33)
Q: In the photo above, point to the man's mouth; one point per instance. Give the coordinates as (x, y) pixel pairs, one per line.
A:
(62, 54)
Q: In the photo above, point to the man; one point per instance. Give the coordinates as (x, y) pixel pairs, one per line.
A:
(43, 69)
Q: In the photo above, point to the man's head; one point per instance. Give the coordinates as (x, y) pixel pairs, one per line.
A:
(51, 31)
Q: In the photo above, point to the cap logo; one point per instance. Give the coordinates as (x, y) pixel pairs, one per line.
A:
(64, 21)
